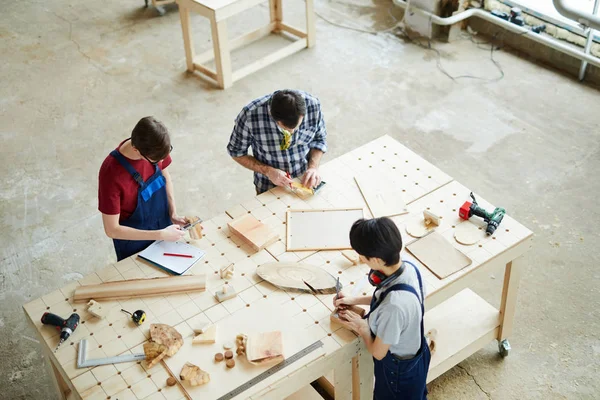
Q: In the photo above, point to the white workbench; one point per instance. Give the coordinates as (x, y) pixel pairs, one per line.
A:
(465, 322)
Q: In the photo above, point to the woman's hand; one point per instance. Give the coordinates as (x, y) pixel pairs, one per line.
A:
(353, 321)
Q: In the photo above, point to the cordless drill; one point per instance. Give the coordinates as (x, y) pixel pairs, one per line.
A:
(65, 326)
(493, 219)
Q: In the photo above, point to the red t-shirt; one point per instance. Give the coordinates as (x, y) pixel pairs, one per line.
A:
(117, 190)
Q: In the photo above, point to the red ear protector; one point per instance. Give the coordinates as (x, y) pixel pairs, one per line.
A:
(376, 278)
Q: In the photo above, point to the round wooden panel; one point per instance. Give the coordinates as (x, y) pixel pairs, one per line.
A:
(293, 276)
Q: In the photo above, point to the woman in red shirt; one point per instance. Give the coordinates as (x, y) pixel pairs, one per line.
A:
(135, 192)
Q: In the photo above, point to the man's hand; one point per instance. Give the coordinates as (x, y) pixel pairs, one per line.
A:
(311, 178)
(181, 221)
(353, 321)
(172, 233)
(278, 177)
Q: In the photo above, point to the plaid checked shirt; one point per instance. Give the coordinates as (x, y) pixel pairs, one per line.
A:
(254, 127)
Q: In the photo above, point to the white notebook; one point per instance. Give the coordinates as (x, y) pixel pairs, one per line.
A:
(155, 253)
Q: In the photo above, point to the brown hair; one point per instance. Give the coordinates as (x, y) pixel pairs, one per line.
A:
(151, 138)
(287, 106)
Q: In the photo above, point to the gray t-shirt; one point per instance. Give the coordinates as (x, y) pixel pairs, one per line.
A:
(397, 320)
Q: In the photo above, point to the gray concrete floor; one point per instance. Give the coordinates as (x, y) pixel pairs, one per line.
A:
(77, 75)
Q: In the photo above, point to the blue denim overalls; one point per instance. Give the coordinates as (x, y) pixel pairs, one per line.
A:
(151, 213)
(396, 378)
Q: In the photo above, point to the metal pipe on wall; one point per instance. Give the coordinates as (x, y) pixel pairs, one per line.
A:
(591, 20)
(588, 43)
(550, 42)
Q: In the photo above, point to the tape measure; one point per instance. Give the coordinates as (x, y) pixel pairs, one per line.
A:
(138, 317)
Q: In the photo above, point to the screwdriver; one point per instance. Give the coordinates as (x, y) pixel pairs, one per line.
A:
(65, 326)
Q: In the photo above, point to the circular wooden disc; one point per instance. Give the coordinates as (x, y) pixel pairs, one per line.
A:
(468, 233)
(293, 275)
(416, 228)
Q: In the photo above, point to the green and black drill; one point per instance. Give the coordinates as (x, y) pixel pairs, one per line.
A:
(493, 219)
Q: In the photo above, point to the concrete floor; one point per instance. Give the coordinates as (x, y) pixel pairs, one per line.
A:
(77, 75)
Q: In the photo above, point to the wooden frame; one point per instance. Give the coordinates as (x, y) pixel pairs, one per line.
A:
(289, 228)
(217, 13)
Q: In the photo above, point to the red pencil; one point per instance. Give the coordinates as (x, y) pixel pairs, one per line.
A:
(178, 255)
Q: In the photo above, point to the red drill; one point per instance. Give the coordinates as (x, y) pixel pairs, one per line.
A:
(65, 326)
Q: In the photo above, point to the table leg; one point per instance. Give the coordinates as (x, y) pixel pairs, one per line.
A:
(508, 304)
(362, 376)
(188, 44)
(276, 12)
(62, 389)
(342, 380)
(222, 54)
(310, 24)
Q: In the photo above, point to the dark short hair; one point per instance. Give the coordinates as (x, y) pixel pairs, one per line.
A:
(287, 106)
(151, 138)
(377, 237)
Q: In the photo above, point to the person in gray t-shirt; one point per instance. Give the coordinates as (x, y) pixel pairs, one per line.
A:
(393, 329)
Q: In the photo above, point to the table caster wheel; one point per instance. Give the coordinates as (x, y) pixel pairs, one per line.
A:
(504, 347)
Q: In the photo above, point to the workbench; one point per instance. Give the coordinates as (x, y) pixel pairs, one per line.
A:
(465, 322)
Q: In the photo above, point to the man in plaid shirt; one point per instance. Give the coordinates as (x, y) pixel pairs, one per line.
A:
(286, 131)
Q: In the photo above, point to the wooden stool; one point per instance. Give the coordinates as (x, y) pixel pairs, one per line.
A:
(218, 11)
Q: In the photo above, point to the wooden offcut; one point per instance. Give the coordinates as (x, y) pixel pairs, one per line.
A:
(264, 347)
(154, 353)
(291, 275)
(382, 198)
(96, 309)
(167, 336)
(253, 232)
(140, 287)
(438, 255)
(321, 229)
(208, 336)
(194, 375)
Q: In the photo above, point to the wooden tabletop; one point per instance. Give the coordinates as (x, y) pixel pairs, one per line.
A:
(423, 186)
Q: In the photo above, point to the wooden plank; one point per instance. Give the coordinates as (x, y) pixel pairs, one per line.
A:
(222, 53)
(264, 346)
(363, 378)
(383, 200)
(508, 304)
(238, 42)
(291, 275)
(465, 323)
(270, 59)
(294, 31)
(206, 71)
(438, 255)
(188, 43)
(256, 234)
(311, 29)
(321, 229)
(140, 287)
(342, 380)
(196, 7)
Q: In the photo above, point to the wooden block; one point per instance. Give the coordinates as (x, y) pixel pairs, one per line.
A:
(96, 309)
(253, 232)
(140, 287)
(293, 275)
(431, 218)
(334, 317)
(226, 293)
(227, 272)
(196, 231)
(438, 255)
(302, 191)
(352, 256)
(201, 328)
(154, 353)
(320, 229)
(194, 375)
(207, 337)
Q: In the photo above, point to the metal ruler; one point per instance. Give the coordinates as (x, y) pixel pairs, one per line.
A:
(271, 371)
(83, 362)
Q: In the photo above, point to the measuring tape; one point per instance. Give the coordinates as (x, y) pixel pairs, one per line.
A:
(271, 371)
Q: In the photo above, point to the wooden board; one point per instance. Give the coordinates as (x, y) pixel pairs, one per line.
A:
(325, 229)
(438, 255)
(468, 233)
(264, 345)
(263, 315)
(383, 199)
(292, 275)
(140, 287)
(256, 234)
